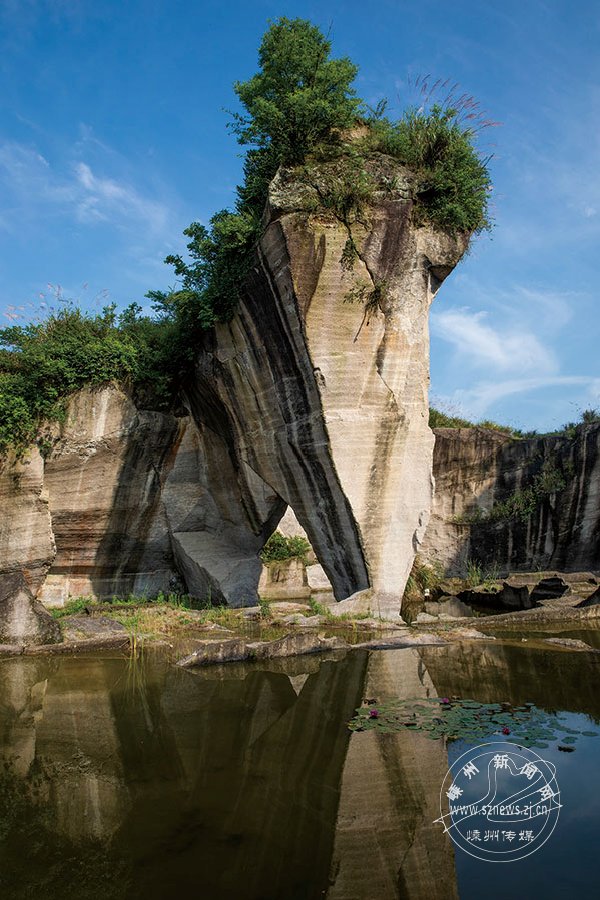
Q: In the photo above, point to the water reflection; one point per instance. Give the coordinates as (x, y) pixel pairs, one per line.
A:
(123, 780)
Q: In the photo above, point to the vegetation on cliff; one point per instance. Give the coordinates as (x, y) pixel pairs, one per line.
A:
(439, 419)
(42, 363)
(299, 111)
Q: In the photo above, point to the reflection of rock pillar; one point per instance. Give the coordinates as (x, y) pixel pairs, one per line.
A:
(386, 844)
(78, 745)
(23, 684)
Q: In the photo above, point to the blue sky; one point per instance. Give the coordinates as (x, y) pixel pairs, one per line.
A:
(113, 139)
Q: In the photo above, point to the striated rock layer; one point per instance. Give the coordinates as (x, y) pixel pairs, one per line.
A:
(325, 400)
(559, 528)
(313, 397)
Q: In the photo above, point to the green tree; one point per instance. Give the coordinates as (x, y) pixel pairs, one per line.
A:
(299, 96)
(298, 99)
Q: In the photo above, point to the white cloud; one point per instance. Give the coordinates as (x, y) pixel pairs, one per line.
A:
(33, 188)
(474, 402)
(109, 200)
(497, 350)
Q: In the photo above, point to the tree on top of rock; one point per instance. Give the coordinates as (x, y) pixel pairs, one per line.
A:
(299, 96)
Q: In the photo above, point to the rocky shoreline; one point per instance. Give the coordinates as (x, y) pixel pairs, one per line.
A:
(291, 629)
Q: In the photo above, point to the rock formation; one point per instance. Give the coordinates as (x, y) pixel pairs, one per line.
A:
(475, 468)
(325, 401)
(23, 620)
(304, 399)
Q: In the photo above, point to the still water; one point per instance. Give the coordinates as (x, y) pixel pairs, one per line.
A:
(142, 780)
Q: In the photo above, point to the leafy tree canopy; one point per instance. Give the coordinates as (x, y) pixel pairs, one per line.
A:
(299, 96)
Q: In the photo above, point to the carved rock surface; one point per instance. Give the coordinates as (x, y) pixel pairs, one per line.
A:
(26, 538)
(23, 620)
(304, 400)
(132, 501)
(474, 468)
(325, 401)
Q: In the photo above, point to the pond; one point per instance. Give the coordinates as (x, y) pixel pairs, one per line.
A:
(137, 779)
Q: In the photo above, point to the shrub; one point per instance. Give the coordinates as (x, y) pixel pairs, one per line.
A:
(452, 181)
(438, 419)
(280, 547)
(42, 363)
(423, 576)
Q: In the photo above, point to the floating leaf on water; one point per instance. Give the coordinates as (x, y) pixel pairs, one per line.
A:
(569, 740)
(590, 733)
(465, 719)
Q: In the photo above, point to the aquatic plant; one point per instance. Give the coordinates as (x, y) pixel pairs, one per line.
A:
(467, 720)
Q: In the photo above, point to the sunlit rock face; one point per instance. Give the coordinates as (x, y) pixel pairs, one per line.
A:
(26, 537)
(309, 398)
(325, 400)
(475, 468)
(132, 501)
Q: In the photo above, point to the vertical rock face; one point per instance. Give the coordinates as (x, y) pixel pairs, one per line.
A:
(313, 397)
(558, 526)
(103, 484)
(325, 399)
(26, 538)
(132, 501)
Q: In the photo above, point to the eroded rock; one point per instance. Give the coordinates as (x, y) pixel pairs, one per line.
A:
(295, 644)
(313, 397)
(23, 620)
(475, 468)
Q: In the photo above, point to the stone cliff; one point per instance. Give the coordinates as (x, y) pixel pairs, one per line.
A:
(545, 492)
(314, 397)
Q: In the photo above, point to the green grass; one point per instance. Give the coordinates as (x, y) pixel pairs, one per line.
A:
(423, 576)
(76, 605)
(481, 576)
(265, 608)
(439, 419)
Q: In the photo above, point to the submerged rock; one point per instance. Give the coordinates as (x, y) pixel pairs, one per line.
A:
(571, 644)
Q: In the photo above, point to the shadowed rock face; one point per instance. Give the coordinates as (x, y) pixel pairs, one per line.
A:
(303, 400)
(475, 468)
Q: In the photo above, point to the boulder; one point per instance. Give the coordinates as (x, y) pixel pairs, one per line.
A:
(548, 589)
(592, 600)
(23, 620)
